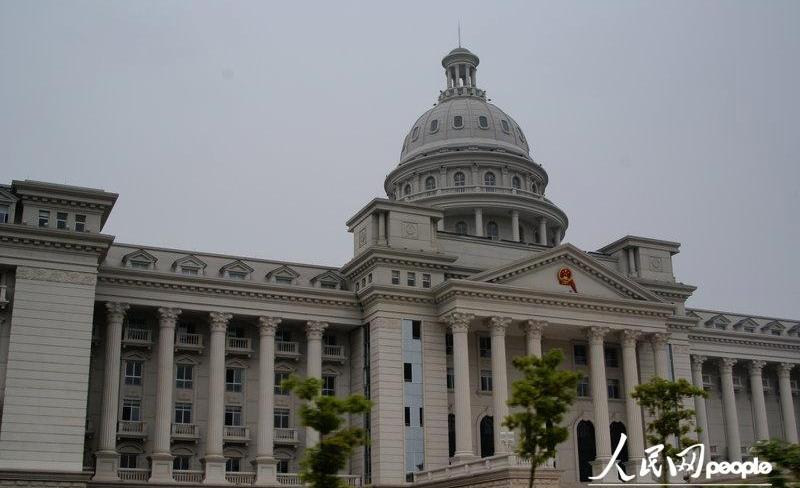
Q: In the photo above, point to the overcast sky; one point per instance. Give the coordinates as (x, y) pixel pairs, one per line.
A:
(258, 128)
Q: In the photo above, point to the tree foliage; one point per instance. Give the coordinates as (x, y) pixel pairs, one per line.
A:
(324, 414)
(543, 395)
(785, 460)
(670, 419)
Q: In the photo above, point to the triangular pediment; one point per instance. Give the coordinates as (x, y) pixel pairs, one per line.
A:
(140, 256)
(746, 324)
(237, 265)
(283, 271)
(328, 277)
(773, 325)
(718, 321)
(567, 269)
(189, 261)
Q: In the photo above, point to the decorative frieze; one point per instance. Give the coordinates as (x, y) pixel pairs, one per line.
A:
(55, 275)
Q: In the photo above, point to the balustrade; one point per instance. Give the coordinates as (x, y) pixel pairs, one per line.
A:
(188, 341)
(131, 428)
(286, 436)
(240, 477)
(187, 476)
(136, 336)
(133, 474)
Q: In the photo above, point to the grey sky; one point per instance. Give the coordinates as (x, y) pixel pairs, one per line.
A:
(258, 128)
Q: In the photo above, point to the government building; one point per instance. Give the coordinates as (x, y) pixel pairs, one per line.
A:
(131, 365)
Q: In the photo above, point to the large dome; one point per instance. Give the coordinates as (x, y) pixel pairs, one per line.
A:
(464, 121)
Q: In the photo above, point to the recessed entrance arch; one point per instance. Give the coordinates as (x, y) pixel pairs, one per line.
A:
(617, 429)
(487, 436)
(586, 448)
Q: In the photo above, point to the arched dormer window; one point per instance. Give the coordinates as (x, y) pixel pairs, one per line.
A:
(483, 122)
(430, 183)
(459, 180)
(461, 228)
(407, 190)
(434, 125)
(489, 180)
(516, 182)
(492, 230)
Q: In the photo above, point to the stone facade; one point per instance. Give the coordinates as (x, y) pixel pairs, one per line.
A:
(127, 364)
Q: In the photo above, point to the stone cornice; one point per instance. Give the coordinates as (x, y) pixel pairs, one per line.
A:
(57, 240)
(744, 340)
(385, 205)
(504, 293)
(682, 322)
(375, 293)
(130, 278)
(376, 255)
(679, 291)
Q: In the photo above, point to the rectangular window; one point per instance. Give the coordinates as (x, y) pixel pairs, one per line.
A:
(329, 339)
(183, 376)
(133, 372)
(485, 347)
(283, 335)
(583, 387)
(233, 465)
(448, 344)
(613, 388)
(188, 270)
(181, 463)
(281, 417)
(132, 410)
(395, 277)
(486, 380)
(426, 280)
(450, 379)
(128, 461)
(283, 280)
(237, 275)
(612, 359)
(140, 264)
(61, 220)
(44, 218)
(328, 285)
(80, 223)
(411, 278)
(233, 379)
(183, 413)
(579, 354)
(407, 412)
(329, 385)
(4, 213)
(282, 466)
(233, 416)
(416, 329)
(280, 376)
(421, 417)
(407, 374)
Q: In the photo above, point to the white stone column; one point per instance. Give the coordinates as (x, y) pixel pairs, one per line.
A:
(498, 327)
(161, 459)
(700, 402)
(602, 425)
(787, 403)
(661, 354)
(107, 457)
(214, 459)
(729, 406)
(557, 236)
(757, 394)
(459, 327)
(265, 462)
(543, 231)
(633, 412)
(314, 331)
(515, 225)
(533, 336)
(479, 222)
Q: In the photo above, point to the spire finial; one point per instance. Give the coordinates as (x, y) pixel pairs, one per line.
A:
(459, 33)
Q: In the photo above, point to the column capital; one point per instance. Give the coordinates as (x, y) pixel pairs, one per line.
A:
(726, 364)
(168, 316)
(459, 321)
(498, 325)
(659, 339)
(315, 329)
(785, 369)
(755, 366)
(219, 321)
(596, 334)
(535, 327)
(116, 310)
(698, 361)
(267, 325)
(629, 337)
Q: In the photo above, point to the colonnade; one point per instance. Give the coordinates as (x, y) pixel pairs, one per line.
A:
(214, 460)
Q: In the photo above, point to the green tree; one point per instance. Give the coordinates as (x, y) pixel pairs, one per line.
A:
(543, 395)
(664, 402)
(325, 415)
(785, 459)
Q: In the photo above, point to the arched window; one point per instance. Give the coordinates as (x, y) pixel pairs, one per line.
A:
(430, 183)
(407, 190)
(458, 121)
(434, 125)
(483, 122)
(516, 182)
(617, 429)
(451, 434)
(492, 231)
(586, 449)
(461, 228)
(459, 180)
(487, 436)
(489, 181)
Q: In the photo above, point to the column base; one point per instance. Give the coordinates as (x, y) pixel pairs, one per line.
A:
(215, 470)
(463, 457)
(632, 468)
(266, 472)
(599, 465)
(161, 468)
(106, 466)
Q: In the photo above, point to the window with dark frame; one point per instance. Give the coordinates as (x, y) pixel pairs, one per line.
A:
(407, 373)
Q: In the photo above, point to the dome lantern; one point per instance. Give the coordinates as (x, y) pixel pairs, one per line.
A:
(460, 69)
